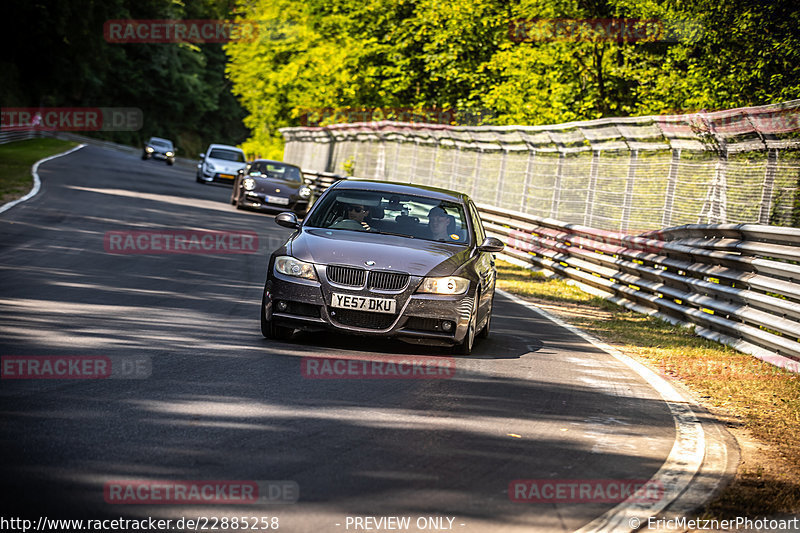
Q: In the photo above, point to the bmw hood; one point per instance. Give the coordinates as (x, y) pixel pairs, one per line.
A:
(341, 247)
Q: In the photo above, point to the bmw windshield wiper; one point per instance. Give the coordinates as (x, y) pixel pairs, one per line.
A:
(395, 234)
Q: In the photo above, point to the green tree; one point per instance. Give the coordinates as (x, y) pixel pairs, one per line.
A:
(56, 54)
(433, 54)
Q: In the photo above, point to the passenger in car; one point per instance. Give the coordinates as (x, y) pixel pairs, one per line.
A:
(441, 226)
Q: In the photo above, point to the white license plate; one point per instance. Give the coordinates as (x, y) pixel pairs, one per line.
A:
(277, 200)
(363, 303)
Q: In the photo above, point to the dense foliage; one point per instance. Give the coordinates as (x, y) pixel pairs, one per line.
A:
(55, 54)
(465, 61)
(333, 59)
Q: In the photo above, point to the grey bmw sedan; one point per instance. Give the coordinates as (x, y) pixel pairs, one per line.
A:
(384, 259)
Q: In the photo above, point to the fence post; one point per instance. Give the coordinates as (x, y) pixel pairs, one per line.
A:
(334, 154)
(499, 198)
(669, 195)
(593, 171)
(393, 166)
(769, 184)
(477, 173)
(526, 183)
(413, 171)
(456, 157)
(557, 186)
(721, 198)
(627, 200)
(380, 164)
(433, 164)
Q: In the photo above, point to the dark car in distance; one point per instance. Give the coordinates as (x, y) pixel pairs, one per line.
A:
(159, 148)
(384, 259)
(271, 186)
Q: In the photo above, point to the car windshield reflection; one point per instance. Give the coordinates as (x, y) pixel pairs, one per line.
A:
(226, 155)
(415, 217)
(275, 171)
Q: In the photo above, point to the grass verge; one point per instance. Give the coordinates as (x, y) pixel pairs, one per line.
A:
(750, 396)
(16, 160)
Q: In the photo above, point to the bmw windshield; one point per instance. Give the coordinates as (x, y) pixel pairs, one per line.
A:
(415, 217)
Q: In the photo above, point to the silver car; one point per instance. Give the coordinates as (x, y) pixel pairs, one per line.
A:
(221, 163)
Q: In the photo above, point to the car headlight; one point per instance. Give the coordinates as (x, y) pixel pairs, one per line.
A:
(170, 154)
(249, 184)
(289, 266)
(149, 150)
(210, 167)
(304, 192)
(446, 285)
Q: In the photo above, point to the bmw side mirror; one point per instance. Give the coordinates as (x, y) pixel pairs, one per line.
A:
(287, 220)
(491, 244)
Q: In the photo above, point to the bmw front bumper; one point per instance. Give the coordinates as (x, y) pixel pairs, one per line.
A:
(437, 320)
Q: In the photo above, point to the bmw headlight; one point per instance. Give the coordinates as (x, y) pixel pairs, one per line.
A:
(304, 192)
(170, 154)
(249, 184)
(445, 285)
(289, 266)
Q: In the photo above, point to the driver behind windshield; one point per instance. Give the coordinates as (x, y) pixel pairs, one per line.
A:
(354, 219)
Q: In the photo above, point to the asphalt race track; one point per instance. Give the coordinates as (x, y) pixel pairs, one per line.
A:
(219, 402)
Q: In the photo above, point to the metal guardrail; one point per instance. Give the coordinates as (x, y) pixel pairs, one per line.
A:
(734, 284)
(319, 181)
(16, 135)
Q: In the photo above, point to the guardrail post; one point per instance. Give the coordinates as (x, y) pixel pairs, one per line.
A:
(526, 183)
(593, 171)
(769, 184)
(669, 195)
(627, 200)
(557, 186)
